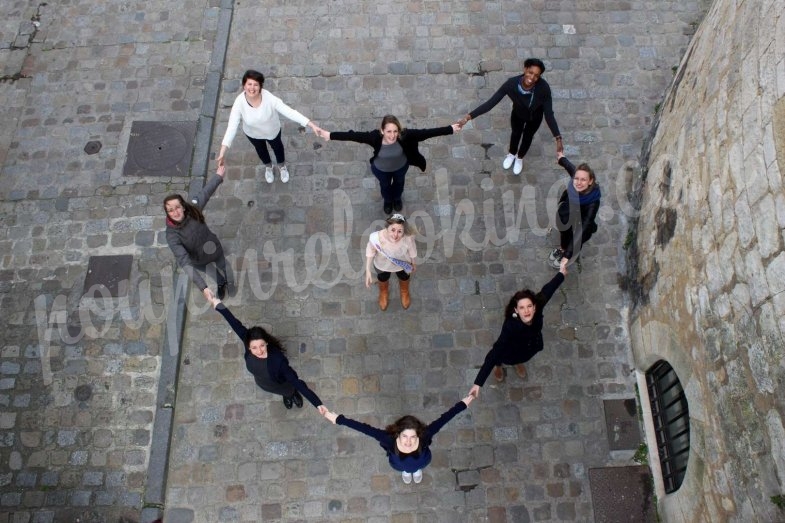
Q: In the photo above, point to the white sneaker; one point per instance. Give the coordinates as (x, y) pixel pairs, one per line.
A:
(516, 170)
(417, 476)
(284, 173)
(507, 163)
(556, 254)
(406, 477)
(268, 174)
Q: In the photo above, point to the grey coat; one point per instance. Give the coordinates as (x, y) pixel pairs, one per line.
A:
(192, 242)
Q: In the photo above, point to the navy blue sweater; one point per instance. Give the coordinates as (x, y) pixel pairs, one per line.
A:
(411, 462)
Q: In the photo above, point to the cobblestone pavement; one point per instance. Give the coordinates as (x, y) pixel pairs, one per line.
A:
(79, 373)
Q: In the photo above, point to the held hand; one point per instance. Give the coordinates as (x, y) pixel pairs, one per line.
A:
(315, 128)
(221, 161)
(215, 301)
(208, 294)
(468, 400)
(474, 391)
(559, 145)
(331, 416)
(563, 266)
(325, 135)
(322, 410)
(559, 155)
(457, 126)
(221, 170)
(463, 121)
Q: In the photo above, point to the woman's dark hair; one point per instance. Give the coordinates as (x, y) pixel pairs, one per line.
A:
(405, 423)
(259, 333)
(388, 118)
(534, 61)
(518, 296)
(250, 74)
(189, 209)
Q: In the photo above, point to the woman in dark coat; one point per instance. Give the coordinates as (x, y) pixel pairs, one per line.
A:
(394, 149)
(191, 240)
(578, 206)
(265, 358)
(521, 335)
(407, 441)
(531, 101)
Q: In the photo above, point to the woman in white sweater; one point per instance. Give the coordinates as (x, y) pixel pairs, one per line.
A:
(258, 110)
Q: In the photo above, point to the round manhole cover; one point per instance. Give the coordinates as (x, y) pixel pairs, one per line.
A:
(83, 392)
(159, 147)
(92, 147)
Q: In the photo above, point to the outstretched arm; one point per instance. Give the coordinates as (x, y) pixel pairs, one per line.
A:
(233, 322)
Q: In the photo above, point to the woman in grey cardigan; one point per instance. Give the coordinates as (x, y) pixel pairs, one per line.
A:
(192, 242)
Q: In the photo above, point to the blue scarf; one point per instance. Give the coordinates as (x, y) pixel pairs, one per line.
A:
(583, 199)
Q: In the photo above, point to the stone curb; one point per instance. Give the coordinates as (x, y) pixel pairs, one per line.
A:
(155, 491)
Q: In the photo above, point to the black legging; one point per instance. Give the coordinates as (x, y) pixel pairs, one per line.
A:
(523, 132)
(264, 155)
(567, 222)
(385, 276)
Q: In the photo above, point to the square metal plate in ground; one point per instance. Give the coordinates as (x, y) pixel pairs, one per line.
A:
(621, 424)
(160, 149)
(110, 272)
(622, 494)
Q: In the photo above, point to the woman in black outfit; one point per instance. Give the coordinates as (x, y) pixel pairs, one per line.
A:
(265, 358)
(578, 206)
(394, 149)
(521, 335)
(531, 100)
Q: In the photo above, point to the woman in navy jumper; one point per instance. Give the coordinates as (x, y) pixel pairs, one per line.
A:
(265, 358)
(521, 335)
(394, 149)
(578, 206)
(407, 441)
(531, 100)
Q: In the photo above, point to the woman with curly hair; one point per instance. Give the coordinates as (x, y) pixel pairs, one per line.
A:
(407, 441)
(521, 335)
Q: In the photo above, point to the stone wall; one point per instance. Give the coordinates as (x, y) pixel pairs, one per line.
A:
(707, 264)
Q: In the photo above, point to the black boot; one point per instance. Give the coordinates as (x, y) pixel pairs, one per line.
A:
(287, 402)
(298, 400)
(388, 207)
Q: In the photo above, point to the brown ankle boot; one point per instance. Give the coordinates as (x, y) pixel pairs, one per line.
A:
(498, 373)
(406, 299)
(384, 294)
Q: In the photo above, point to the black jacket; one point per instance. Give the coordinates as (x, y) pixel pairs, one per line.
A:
(409, 140)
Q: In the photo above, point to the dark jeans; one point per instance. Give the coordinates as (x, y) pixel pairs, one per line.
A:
(385, 276)
(522, 133)
(391, 184)
(222, 272)
(261, 149)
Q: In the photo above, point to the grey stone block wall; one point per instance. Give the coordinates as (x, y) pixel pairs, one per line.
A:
(709, 263)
